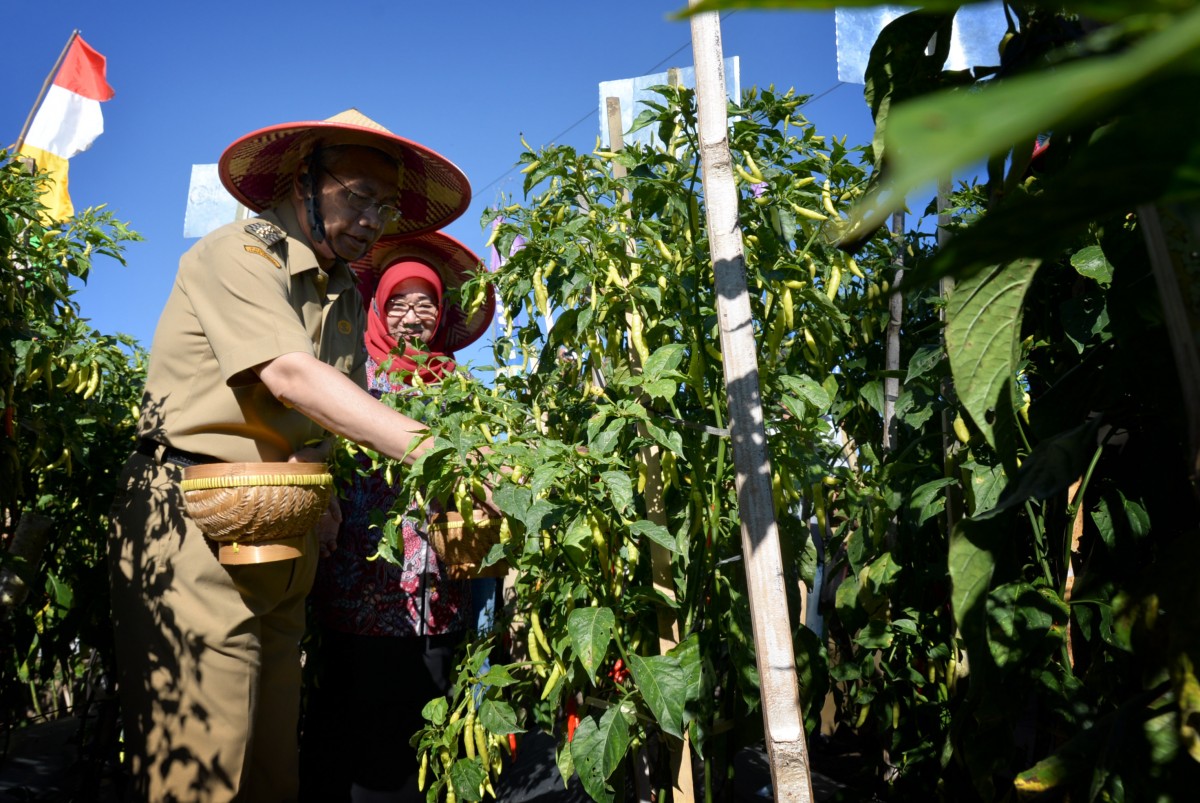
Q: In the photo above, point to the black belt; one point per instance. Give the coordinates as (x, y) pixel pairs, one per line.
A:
(169, 454)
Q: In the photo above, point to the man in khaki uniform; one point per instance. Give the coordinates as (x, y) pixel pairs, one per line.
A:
(257, 357)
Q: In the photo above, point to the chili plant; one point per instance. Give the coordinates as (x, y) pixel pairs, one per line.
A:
(609, 348)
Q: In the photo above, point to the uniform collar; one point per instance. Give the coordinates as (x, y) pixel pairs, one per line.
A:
(301, 257)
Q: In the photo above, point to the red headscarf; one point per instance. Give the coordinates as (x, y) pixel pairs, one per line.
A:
(431, 363)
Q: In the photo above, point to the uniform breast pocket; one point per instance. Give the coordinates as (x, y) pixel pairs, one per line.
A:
(342, 345)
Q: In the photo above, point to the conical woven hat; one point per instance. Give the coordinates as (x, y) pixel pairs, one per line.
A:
(453, 261)
(257, 169)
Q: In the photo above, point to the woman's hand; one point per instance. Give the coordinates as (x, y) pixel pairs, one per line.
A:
(312, 454)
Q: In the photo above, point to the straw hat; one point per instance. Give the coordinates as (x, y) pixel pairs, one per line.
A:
(257, 169)
(452, 260)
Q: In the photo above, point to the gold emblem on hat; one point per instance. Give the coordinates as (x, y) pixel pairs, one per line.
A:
(344, 327)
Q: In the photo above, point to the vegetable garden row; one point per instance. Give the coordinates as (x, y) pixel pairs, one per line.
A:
(995, 530)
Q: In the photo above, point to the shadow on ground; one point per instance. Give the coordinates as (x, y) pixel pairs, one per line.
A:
(46, 764)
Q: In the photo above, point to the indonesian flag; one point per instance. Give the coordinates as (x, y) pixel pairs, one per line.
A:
(67, 122)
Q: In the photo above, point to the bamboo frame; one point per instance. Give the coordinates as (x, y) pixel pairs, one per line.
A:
(784, 724)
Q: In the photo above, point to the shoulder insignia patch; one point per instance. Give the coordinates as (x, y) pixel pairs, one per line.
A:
(254, 249)
(344, 327)
(266, 231)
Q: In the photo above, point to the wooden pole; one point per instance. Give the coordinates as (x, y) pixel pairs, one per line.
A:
(784, 725)
(656, 509)
(891, 382)
(954, 499)
(45, 88)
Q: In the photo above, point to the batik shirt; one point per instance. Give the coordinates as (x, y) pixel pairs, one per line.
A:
(374, 597)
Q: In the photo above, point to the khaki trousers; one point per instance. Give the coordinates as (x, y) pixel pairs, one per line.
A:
(208, 655)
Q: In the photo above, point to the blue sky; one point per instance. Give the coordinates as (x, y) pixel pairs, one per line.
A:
(467, 79)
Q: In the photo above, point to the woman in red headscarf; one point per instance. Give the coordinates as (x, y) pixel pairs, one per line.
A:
(388, 632)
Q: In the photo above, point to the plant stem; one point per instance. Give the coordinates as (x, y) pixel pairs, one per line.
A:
(1073, 511)
(1039, 540)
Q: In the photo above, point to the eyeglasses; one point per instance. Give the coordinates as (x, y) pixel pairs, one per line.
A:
(424, 308)
(361, 203)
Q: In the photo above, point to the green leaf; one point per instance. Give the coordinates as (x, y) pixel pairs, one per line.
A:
(498, 716)
(468, 775)
(664, 359)
(914, 406)
(664, 688)
(930, 137)
(435, 710)
(984, 484)
(660, 388)
(872, 394)
(544, 476)
(1024, 623)
(1112, 174)
(1102, 518)
(668, 439)
(597, 750)
(656, 533)
(691, 663)
(566, 763)
(620, 489)
(972, 565)
(498, 676)
(924, 360)
(512, 499)
(1139, 520)
(928, 501)
(1090, 262)
(809, 390)
(1162, 734)
(577, 539)
(875, 636)
(604, 441)
(494, 555)
(920, 42)
(983, 334)
(1051, 468)
(590, 630)
(783, 223)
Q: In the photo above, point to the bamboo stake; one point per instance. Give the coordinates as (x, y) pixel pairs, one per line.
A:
(891, 382)
(784, 725)
(656, 509)
(954, 502)
(45, 88)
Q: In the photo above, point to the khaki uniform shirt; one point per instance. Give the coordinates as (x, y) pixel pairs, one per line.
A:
(246, 294)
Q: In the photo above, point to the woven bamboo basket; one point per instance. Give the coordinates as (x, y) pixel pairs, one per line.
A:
(462, 546)
(256, 512)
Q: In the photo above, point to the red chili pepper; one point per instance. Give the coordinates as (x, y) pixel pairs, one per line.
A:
(512, 745)
(8, 421)
(572, 718)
